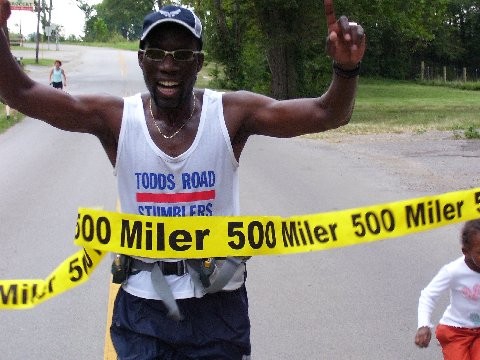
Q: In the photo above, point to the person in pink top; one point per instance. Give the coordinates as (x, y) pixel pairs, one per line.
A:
(458, 331)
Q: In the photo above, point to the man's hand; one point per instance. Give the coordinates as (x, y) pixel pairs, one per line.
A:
(345, 41)
(5, 12)
(423, 336)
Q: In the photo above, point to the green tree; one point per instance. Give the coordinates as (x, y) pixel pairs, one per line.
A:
(294, 34)
(278, 46)
(463, 22)
(225, 26)
(470, 35)
(124, 16)
(98, 30)
(89, 11)
(398, 31)
(269, 46)
(454, 43)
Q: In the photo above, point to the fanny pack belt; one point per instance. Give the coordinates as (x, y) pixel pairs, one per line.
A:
(178, 268)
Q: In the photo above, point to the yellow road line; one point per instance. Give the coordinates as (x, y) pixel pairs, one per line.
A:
(109, 352)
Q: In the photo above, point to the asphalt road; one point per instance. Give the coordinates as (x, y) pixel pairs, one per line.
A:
(350, 303)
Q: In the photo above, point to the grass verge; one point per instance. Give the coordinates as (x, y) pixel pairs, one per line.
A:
(13, 119)
(399, 107)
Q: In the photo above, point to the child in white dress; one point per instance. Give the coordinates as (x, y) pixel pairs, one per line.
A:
(458, 330)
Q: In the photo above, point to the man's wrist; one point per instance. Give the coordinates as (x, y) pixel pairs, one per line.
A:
(346, 73)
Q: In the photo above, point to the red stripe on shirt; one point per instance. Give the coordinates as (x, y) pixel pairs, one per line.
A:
(175, 198)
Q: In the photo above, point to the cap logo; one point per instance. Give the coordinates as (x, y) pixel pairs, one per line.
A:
(170, 14)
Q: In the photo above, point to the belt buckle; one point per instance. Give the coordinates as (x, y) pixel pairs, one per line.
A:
(180, 265)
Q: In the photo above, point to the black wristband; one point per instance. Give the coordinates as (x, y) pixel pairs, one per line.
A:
(346, 74)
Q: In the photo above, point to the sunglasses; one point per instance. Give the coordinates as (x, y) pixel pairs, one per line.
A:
(178, 55)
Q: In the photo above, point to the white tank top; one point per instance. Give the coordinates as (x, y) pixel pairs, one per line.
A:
(203, 181)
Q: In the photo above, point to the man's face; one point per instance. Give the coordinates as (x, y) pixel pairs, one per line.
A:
(170, 82)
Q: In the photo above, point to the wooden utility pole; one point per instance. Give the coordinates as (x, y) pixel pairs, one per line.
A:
(37, 47)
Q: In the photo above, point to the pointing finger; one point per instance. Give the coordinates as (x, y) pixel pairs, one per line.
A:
(330, 14)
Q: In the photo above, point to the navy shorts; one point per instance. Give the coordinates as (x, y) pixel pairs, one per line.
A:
(57, 85)
(214, 327)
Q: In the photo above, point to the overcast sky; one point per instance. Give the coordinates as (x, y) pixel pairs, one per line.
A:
(64, 13)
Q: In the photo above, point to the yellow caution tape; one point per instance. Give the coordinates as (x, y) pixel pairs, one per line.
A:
(100, 231)
(25, 294)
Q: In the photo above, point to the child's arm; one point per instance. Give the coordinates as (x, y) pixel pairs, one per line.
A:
(427, 303)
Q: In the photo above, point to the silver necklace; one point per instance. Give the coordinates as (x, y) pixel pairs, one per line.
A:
(180, 128)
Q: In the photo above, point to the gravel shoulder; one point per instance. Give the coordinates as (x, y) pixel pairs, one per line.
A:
(432, 162)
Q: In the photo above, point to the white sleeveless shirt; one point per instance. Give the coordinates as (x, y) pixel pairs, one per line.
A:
(203, 181)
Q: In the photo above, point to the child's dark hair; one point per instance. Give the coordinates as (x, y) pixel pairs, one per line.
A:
(471, 227)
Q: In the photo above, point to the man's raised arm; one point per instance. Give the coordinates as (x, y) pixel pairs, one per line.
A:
(96, 114)
(256, 114)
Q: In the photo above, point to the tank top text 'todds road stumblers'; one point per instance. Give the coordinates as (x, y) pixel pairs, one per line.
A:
(203, 181)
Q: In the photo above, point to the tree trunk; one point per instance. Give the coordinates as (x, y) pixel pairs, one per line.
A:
(278, 70)
(221, 22)
(280, 53)
(230, 40)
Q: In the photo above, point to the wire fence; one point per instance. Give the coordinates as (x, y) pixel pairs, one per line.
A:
(449, 73)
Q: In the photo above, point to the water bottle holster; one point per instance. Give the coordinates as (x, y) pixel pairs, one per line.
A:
(120, 268)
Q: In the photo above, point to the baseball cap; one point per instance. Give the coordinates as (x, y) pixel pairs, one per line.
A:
(172, 14)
